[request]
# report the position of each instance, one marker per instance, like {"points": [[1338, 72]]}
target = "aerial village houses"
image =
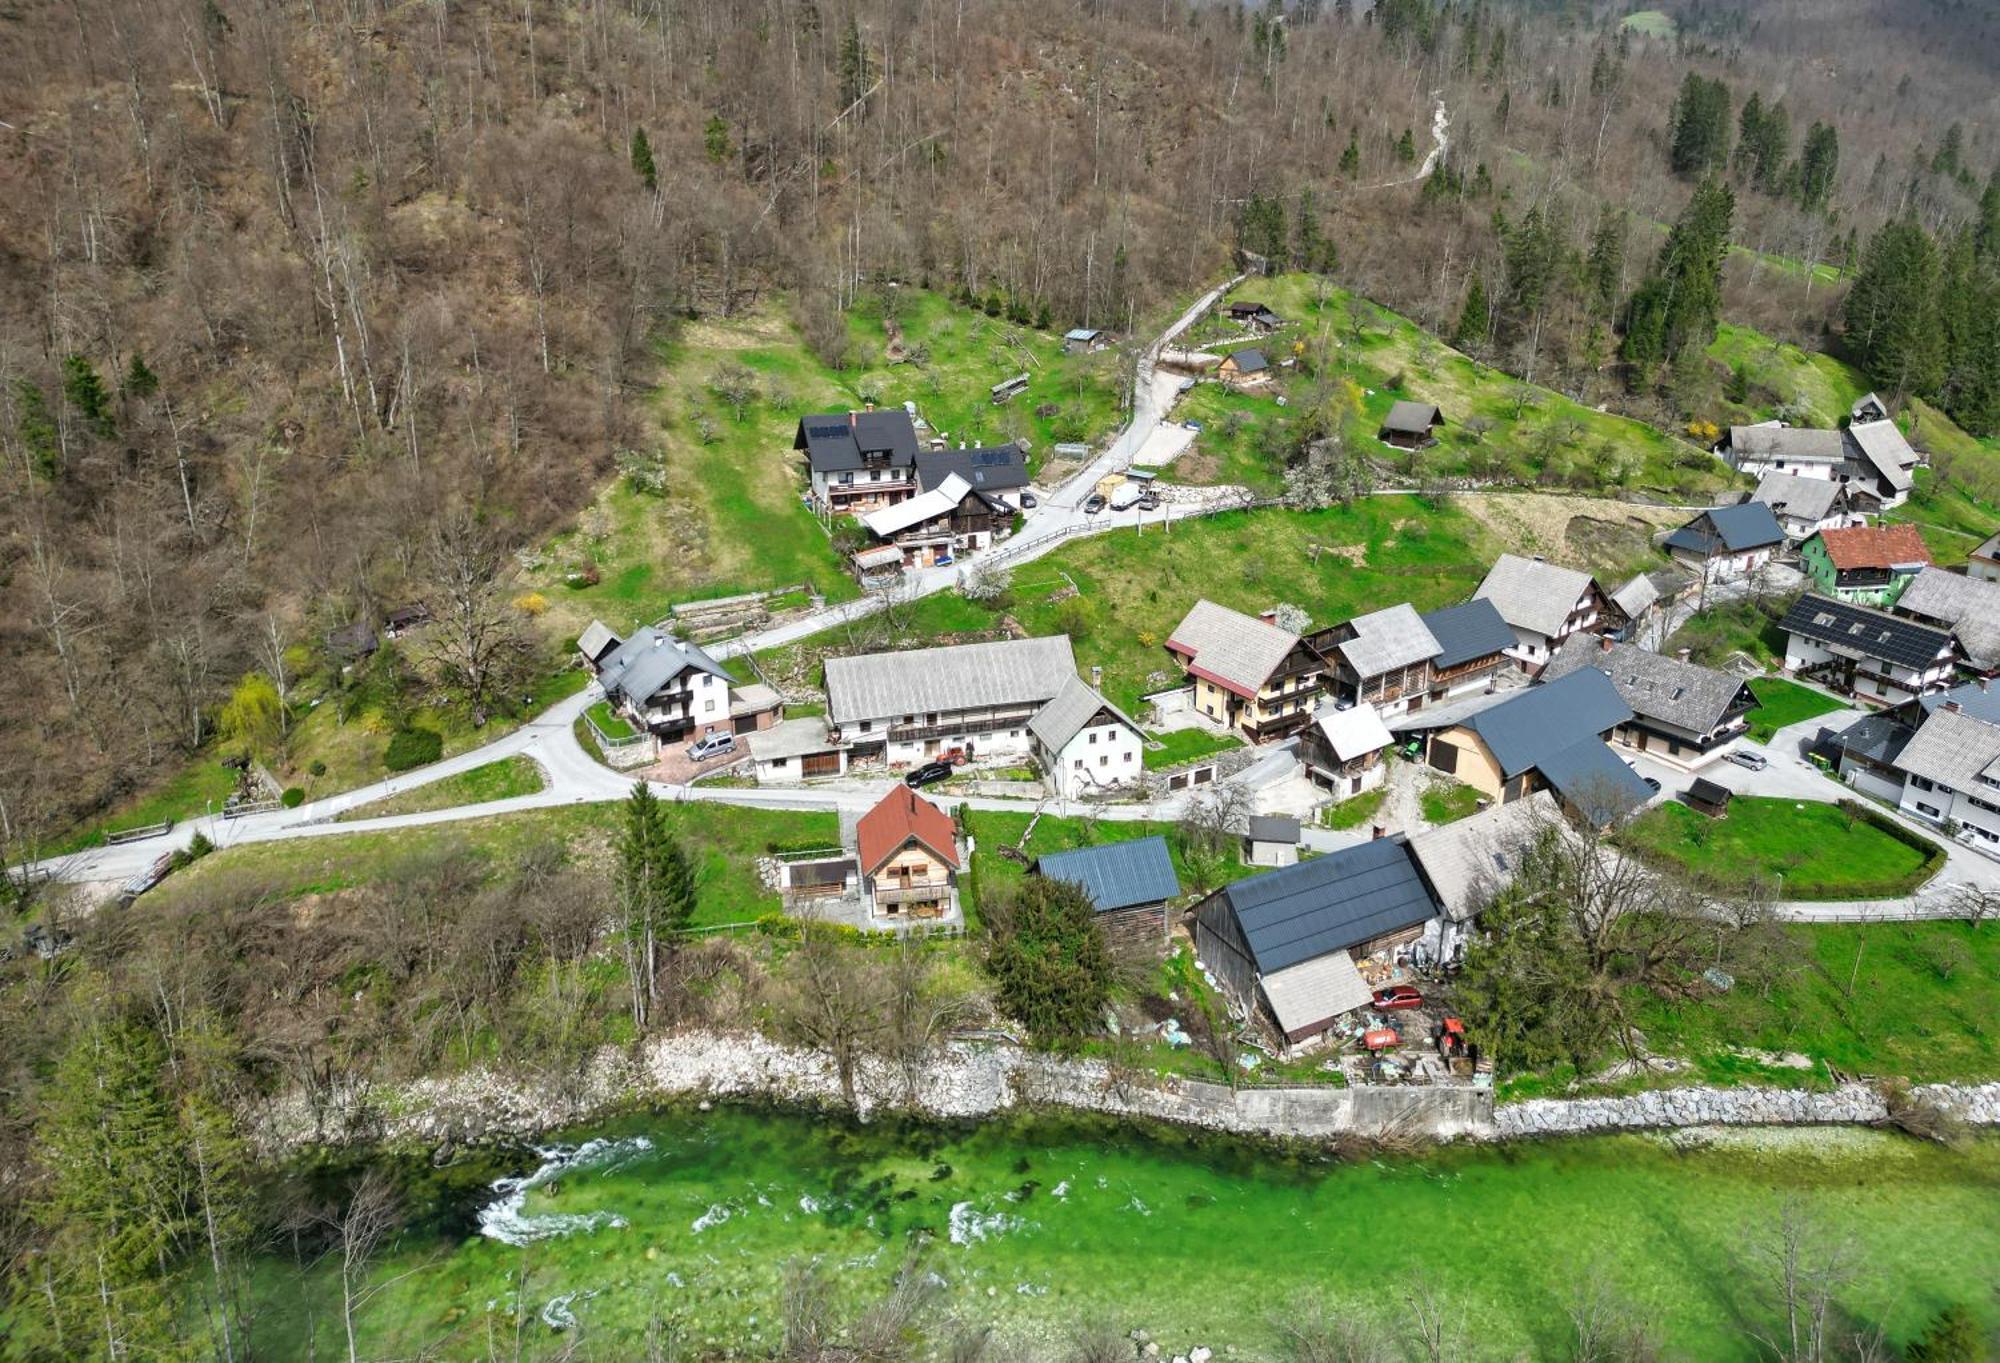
{"points": [[1869, 748], [1246, 673], [1550, 736], [1866, 653], [1637, 603], [1244, 368], [1130, 884], [858, 461], [1271, 840], [1085, 744], [1727, 542], [908, 853], [1255, 316], [1471, 860], [1285, 944], [675, 691], [1951, 770], [1543, 604], [1967, 606], [1868, 408], [1871, 459], [1803, 505], [1984, 562], [795, 750], [1411, 425], [1342, 750], [1865, 565], [908, 707], [1396, 659], [933, 527], [1682, 713]]}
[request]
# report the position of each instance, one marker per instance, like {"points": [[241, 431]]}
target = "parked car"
{"points": [[926, 774], [1749, 761], [1093, 504], [1150, 502], [711, 745], [1399, 996], [1029, 501], [1651, 784]]}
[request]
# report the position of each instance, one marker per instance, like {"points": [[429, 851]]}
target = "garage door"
{"points": [[820, 764]]}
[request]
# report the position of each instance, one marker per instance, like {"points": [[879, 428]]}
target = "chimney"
{"points": [[1952, 706], [1268, 616], [1096, 677], [1376, 832], [867, 404]]}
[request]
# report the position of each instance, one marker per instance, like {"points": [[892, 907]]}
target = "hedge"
{"points": [[413, 748]]}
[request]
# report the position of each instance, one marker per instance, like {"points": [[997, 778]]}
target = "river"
{"points": [[1035, 1224]]}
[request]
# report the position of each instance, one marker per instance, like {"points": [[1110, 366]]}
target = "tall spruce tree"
{"points": [[1892, 310], [1475, 319], [642, 160], [1698, 127], [1677, 306], [656, 892], [1819, 163]]}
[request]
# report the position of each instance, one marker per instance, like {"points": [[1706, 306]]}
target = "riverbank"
{"points": [[984, 1080]]}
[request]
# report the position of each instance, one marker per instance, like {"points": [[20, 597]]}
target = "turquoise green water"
{"points": [[1032, 1226]]}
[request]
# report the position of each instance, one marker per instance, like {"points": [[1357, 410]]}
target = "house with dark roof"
{"points": [[1543, 604], [1255, 315], [1078, 339], [1343, 749], [937, 525], [858, 461], [1085, 744], [1398, 660], [1867, 565], [1968, 606], [1547, 737], [352, 643], [674, 690], [908, 853], [1869, 654], [1803, 505], [1244, 368], [1130, 884], [1245, 672], [596, 641], [1682, 713], [1727, 542], [1867, 750], [1411, 425], [998, 472], [1285, 944], [1472, 644], [1271, 840], [1951, 774]]}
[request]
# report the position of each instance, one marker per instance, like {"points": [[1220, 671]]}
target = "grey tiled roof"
{"points": [[1686, 695], [1635, 596], [1531, 594], [651, 658], [1953, 749], [1232, 646], [1468, 861], [1316, 990], [1469, 630], [1882, 444], [1411, 418], [1809, 499], [1589, 776], [1969, 606], [1388, 639], [1056, 723], [920, 681], [1329, 903], [1249, 361], [1117, 875], [1788, 442], [1878, 737], [836, 441], [1975, 698], [1002, 468]]}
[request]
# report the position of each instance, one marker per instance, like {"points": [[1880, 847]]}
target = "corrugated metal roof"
{"points": [[1388, 639], [1531, 594], [1117, 875], [1532, 726], [941, 500], [1875, 633], [923, 681], [1467, 631], [1729, 529], [1329, 903]]}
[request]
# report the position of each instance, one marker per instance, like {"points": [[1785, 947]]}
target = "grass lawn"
{"points": [[1652, 23], [1783, 373], [1721, 632], [1184, 745], [1535, 434], [1131, 590], [609, 722], [1357, 811], [1919, 1000], [1781, 703], [1449, 801], [194, 790], [723, 841], [731, 519], [501, 780], [1242, 440], [1819, 850], [995, 830]]}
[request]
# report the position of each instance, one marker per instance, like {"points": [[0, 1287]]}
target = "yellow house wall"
{"points": [[1476, 766]]}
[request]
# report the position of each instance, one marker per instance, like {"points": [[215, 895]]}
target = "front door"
{"points": [[930, 747]]}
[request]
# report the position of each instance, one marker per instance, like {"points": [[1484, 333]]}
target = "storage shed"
{"points": [[1704, 796]]}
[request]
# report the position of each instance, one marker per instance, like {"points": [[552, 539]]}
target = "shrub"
{"points": [[413, 748], [292, 798], [318, 768], [531, 604]]}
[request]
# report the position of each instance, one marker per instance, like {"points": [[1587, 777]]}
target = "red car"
{"points": [[1398, 996]]}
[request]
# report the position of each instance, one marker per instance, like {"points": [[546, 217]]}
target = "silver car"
{"points": [[1749, 761], [712, 745]]}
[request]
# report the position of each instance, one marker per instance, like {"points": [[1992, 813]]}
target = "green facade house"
{"points": [[1864, 565]]}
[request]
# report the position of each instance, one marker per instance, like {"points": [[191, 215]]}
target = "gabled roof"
{"points": [[651, 658], [1329, 903], [835, 442], [1883, 446], [1248, 361], [1975, 698], [1068, 711], [1532, 594], [1704, 791], [1636, 596], [898, 817], [1808, 499], [1315, 991], [1989, 548], [1274, 828], [1231, 649], [1469, 861], [1412, 418], [1729, 530], [1528, 728], [1768, 440], [1470, 630], [1866, 404], [1875, 633], [1388, 639], [1954, 749], [1082, 334], [596, 640], [1683, 694], [1001, 468], [1879, 737], [920, 681], [1874, 546], [1969, 605], [1117, 875], [1591, 778], [941, 500], [1353, 732]]}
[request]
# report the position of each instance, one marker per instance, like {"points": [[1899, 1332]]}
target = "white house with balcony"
{"points": [[673, 690], [1951, 773], [1543, 603], [916, 705]]}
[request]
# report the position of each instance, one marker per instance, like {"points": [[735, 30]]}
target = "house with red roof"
{"points": [[1865, 565], [909, 857]]}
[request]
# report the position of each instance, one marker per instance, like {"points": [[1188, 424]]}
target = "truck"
{"points": [[1126, 496]]}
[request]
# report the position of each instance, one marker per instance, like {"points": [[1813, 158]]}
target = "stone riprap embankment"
{"points": [[971, 1080]]}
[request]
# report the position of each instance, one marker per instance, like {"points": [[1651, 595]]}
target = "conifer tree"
{"points": [[1474, 319], [642, 159]]}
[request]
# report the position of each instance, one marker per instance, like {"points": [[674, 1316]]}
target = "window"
{"points": [[1129, 754], [846, 480], [1077, 765], [1930, 811], [1093, 735], [866, 725]]}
